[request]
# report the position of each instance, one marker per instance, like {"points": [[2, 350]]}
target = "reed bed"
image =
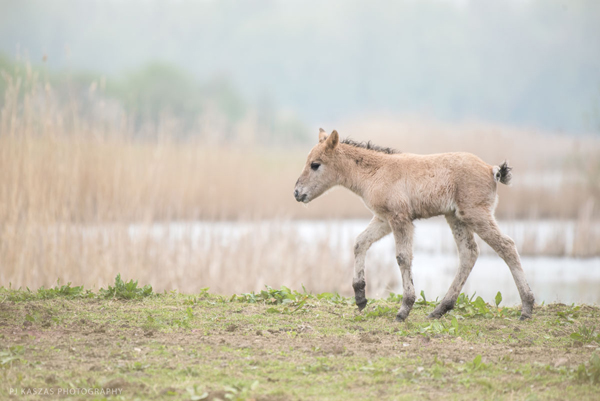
{"points": [[65, 171], [93, 256], [84, 177]]}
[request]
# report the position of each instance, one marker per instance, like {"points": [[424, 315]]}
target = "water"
{"points": [[552, 279]]}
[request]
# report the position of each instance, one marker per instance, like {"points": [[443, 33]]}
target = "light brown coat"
{"points": [[401, 187]]}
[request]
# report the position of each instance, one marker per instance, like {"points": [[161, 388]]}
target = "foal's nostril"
{"points": [[296, 194]]}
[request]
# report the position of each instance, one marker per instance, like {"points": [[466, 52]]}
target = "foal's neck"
{"points": [[358, 167]]}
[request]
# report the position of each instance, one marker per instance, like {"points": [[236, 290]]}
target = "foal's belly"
{"points": [[412, 201]]}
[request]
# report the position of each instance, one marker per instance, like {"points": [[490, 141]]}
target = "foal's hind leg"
{"points": [[468, 253], [505, 247], [403, 234], [376, 230]]}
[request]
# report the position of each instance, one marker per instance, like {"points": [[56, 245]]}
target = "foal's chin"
{"points": [[306, 198]]}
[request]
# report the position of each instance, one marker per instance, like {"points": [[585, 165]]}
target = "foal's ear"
{"points": [[322, 135], [332, 140]]}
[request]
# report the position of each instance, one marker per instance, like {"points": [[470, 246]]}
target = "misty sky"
{"points": [[534, 63]]}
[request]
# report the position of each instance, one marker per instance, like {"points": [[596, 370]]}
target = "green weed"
{"points": [[335, 298], [270, 296], [476, 364], [567, 316], [586, 334], [155, 323], [381, 311], [11, 356], [184, 322], [498, 299], [194, 299], [423, 301], [64, 291], [435, 327], [293, 301], [590, 373], [126, 290], [396, 298], [466, 307], [439, 327], [469, 308]]}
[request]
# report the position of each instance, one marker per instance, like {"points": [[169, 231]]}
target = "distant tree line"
{"points": [[533, 62]]}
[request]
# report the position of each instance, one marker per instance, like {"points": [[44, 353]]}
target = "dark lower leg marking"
{"points": [[441, 309], [359, 294], [407, 304], [527, 300]]}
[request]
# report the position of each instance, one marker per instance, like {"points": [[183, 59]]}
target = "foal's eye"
{"points": [[315, 166]]}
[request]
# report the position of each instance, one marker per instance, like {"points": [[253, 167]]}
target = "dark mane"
{"points": [[370, 146]]}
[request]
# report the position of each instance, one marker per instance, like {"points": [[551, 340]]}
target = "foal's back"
{"points": [[430, 185]]}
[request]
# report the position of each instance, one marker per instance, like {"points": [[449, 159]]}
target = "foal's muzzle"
{"points": [[299, 198]]}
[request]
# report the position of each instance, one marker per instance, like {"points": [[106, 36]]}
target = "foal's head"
{"points": [[319, 173]]}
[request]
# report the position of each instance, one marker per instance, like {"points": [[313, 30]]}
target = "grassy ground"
{"points": [[285, 345]]}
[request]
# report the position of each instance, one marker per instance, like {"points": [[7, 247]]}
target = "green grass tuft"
{"points": [[126, 290]]}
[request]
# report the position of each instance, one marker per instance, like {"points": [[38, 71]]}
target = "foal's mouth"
{"points": [[300, 198]]}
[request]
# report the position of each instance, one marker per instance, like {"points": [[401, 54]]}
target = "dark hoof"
{"points": [[361, 305], [441, 309], [524, 317], [400, 317]]}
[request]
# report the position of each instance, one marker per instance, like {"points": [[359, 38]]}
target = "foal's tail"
{"points": [[502, 173]]}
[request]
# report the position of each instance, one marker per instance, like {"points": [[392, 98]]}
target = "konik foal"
{"points": [[399, 188]]}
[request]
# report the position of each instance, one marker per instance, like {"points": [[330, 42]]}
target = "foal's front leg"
{"points": [[403, 234], [376, 230]]}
